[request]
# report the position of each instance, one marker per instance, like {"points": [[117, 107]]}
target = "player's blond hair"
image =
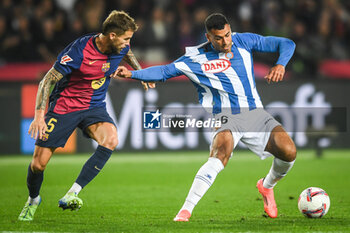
{"points": [[118, 22]]}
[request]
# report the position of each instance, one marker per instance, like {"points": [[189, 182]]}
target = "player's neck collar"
{"points": [[95, 44]]}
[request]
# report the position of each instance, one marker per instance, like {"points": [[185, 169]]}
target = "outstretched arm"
{"points": [[132, 61], [38, 125], [150, 74]]}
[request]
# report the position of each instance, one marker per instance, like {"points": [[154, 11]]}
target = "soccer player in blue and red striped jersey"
{"points": [[222, 72], [81, 76]]}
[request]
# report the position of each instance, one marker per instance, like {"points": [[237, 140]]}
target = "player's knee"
{"points": [[222, 147], [290, 153], [36, 166], [111, 142]]}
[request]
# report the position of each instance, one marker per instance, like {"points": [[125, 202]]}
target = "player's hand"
{"points": [[275, 74], [37, 128], [121, 72], [148, 85]]}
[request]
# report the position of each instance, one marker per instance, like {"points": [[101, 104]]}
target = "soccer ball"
{"points": [[314, 202]]}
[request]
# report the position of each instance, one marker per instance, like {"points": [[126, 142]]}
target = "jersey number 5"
{"points": [[51, 125]]}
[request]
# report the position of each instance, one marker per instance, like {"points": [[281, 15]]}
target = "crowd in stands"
{"points": [[36, 30]]}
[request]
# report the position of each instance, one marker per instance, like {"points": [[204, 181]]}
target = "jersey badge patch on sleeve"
{"points": [[65, 59]]}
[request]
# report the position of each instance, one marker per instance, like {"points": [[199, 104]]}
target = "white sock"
{"points": [[278, 170], [76, 188], [34, 201], [204, 179]]}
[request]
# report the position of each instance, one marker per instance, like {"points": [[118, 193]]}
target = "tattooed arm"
{"points": [[132, 61], [38, 125]]}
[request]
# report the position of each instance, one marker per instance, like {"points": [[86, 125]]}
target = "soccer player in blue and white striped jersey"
{"points": [[222, 71]]}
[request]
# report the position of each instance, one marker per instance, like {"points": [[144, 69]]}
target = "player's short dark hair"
{"points": [[215, 21], [118, 22]]}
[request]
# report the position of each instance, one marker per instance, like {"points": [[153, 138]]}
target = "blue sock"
{"points": [[34, 181], [93, 166]]}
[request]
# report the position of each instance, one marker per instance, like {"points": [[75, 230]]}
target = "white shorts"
{"points": [[253, 128]]}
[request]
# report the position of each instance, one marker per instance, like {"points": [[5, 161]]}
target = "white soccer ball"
{"points": [[314, 202]]}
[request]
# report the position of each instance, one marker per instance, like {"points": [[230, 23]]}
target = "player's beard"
{"points": [[222, 49], [226, 48], [112, 49]]}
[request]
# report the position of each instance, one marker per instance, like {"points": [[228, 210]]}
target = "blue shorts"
{"points": [[61, 126]]}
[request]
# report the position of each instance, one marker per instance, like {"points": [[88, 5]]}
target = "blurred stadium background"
{"points": [[33, 32]]}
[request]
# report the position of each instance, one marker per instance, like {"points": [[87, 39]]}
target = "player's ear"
{"points": [[112, 35], [207, 36]]}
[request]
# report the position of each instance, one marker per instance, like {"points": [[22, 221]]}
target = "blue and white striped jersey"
{"points": [[223, 80]]}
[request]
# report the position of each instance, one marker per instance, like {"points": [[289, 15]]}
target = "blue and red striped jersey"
{"points": [[86, 72]]}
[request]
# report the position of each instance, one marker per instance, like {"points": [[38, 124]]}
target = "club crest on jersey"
{"points": [[96, 84], [65, 59], [229, 55], [105, 67], [216, 66]]}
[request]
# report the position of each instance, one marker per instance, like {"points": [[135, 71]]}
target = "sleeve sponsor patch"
{"points": [[65, 59]]}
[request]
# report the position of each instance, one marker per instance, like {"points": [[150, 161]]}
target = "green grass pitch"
{"points": [[142, 192]]}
